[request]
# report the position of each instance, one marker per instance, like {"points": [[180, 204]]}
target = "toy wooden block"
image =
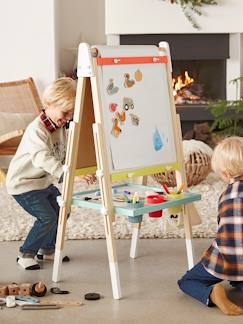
{"points": [[13, 289], [3, 290], [38, 289], [25, 289]]}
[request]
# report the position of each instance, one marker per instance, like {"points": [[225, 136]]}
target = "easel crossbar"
{"points": [[123, 175], [132, 60]]}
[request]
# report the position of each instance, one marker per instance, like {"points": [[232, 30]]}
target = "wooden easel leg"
{"points": [[113, 264], [107, 209], [56, 274], [68, 180], [135, 239], [65, 203], [181, 177], [57, 265], [188, 237], [137, 226], [143, 180], [115, 280], [2, 177]]}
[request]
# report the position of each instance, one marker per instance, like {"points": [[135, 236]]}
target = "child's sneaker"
{"points": [[28, 263], [42, 256]]}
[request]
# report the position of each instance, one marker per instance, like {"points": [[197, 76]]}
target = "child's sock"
{"points": [[28, 263], [219, 298], [43, 255]]}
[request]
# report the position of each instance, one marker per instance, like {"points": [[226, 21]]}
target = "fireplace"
{"points": [[199, 70]]}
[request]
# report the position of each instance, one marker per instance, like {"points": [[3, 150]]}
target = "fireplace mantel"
{"points": [[128, 17], [157, 16]]}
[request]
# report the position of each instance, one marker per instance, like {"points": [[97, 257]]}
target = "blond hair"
{"points": [[61, 92], [228, 157]]}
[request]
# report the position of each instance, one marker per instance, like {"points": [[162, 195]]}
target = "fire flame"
{"points": [[180, 81]]}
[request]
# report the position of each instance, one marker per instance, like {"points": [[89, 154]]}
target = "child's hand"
{"points": [[88, 178]]}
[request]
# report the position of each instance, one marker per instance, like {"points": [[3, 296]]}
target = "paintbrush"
{"points": [[41, 306], [181, 188]]}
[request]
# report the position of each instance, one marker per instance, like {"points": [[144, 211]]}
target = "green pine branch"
{"points": [[190, 7]]}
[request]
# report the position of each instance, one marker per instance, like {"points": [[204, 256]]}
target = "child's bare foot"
{"points": [[219, 298]]}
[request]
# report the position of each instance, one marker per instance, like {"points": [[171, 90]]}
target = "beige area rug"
{"points": [[88, 223]]}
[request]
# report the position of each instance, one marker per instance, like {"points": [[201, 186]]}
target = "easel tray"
{"points": [[91, 199]]}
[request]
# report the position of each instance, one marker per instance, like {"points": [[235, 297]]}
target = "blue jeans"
{"points": [[42, 204], [198, 283]]}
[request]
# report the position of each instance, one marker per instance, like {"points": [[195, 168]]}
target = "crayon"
{"points": [[181, 188], [135, 198], [126, 199], [165, 188]]}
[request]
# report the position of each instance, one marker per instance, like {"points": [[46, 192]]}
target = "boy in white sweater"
{"points": [[39, 157]]}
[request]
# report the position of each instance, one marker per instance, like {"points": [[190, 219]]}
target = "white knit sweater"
{"points": [[40, 156]]}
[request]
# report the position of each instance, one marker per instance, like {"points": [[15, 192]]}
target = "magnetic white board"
{"points": [[136, 109]]}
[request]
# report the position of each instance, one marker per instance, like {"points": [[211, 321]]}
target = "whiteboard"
{"points": [[137, 111]]}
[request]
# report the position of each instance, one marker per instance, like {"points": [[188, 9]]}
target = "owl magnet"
{"points": [[128, 103], [111, 88]]}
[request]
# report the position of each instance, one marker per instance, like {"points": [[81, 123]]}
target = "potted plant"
{"points": [[228, 114]]}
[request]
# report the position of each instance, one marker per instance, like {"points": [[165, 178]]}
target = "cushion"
{"points": [[13, 121]]}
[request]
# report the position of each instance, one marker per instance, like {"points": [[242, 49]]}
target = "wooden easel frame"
{"points": [[103, 174], [104, 179]]}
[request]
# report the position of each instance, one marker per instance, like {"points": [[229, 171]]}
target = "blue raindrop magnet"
{"points": [[157, 140]]}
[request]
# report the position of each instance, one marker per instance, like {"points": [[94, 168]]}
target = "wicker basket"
{"points": [[197, 169]]}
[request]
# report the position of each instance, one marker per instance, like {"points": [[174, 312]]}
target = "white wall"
{"points": [[35, 36], [157, 16], [28, 47], [80, 20]]}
